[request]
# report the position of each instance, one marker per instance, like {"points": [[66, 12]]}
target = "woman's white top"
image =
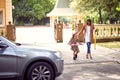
{"points": [[87, 34]]}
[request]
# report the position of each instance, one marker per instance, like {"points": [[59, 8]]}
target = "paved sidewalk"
{"points": [[44, 36], [100, 54]]}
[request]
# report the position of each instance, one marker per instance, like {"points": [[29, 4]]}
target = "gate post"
{"points": [[59, 32], [10, 32], [79, 28]]}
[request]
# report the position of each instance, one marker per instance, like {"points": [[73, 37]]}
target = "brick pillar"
{"points": [[8, 11]]}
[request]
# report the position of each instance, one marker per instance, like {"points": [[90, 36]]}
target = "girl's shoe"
{"points": [[74, 58]]}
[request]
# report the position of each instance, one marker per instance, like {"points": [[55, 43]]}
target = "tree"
{"points": [[22, 9], [32, 9], [118, 7], [41, 7], [99, 6], [110, 7]]}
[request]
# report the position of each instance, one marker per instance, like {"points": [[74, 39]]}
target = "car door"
{"points": [[8, 61]]}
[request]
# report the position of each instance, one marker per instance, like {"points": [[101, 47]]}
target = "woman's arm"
{"points": [[93, 28], [78, 33]]}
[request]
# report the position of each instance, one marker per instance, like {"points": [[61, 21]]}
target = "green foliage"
{"points": [[104, 8], [118, 7], [41, 7], [32, 9], [114, 44], [21, 23], [21, 9], [65, 19]]}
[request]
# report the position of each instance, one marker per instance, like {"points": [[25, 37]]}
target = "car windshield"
{"points": [[7, 41]]}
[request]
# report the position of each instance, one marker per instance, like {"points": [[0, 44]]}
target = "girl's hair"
{"points": [[88, 20]]}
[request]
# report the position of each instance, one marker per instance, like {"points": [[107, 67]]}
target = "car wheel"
{"points": [[40, 71]]}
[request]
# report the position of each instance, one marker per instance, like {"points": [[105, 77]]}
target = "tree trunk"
{"points": [[100, 16], [110, 16]]}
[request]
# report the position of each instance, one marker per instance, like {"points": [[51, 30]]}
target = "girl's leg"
{"points": [[76, 53], [74, 58]]}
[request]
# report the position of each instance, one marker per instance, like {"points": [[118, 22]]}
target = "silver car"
{"points": [[23, 63]]}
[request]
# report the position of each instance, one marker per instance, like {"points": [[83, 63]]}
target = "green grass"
{"points": [[110, 44]]}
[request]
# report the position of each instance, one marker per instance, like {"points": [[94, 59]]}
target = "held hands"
{"points": [[80, 43], [77, 35]]}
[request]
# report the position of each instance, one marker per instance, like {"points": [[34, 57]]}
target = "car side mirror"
{"points": [[18, 44], [3, 45]]}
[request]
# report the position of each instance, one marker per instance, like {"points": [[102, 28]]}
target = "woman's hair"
{"points": [[89, 20]]}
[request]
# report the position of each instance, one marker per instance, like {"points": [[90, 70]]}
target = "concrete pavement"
{"points": [[92, 71], [100, 54]]}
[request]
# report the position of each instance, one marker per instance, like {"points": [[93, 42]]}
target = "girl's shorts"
{"points": [[75, 48]]}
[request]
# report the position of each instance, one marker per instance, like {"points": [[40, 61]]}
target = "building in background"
{"points": [[5, 15], [62, 8]]}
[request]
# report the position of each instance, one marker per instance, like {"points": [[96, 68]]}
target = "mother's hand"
{"points": [[76, 35]]}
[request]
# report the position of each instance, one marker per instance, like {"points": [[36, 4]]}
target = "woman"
{"points": [[88, 28]]}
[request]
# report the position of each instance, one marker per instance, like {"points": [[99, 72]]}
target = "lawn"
{"points": [[110, 44]]}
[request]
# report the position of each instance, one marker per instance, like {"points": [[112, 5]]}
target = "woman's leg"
{"points": [[88, 47], [89, 50]]}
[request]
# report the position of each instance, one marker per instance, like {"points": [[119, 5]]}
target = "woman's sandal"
{"points": [[91, 57], [87, 57]]}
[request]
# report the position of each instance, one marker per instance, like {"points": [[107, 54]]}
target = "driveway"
{"points": [[91, 71], [39, 34]]}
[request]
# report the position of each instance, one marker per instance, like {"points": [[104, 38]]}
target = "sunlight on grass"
{"points": [[109, 44]]}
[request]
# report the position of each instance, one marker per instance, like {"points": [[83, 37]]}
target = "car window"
{"points": [[9, 42], [5, 49], [3, 46]]}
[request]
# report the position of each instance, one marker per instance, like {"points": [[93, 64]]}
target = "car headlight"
{"points": [[58, 54]]}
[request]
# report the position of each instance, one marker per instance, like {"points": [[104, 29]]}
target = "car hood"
{"points": [[34, 49]]}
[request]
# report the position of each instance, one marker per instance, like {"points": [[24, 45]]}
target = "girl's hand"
{"points": [[78, 34], [80, 43]]}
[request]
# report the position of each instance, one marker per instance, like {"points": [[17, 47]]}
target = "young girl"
{"points": [[74, 46]]}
